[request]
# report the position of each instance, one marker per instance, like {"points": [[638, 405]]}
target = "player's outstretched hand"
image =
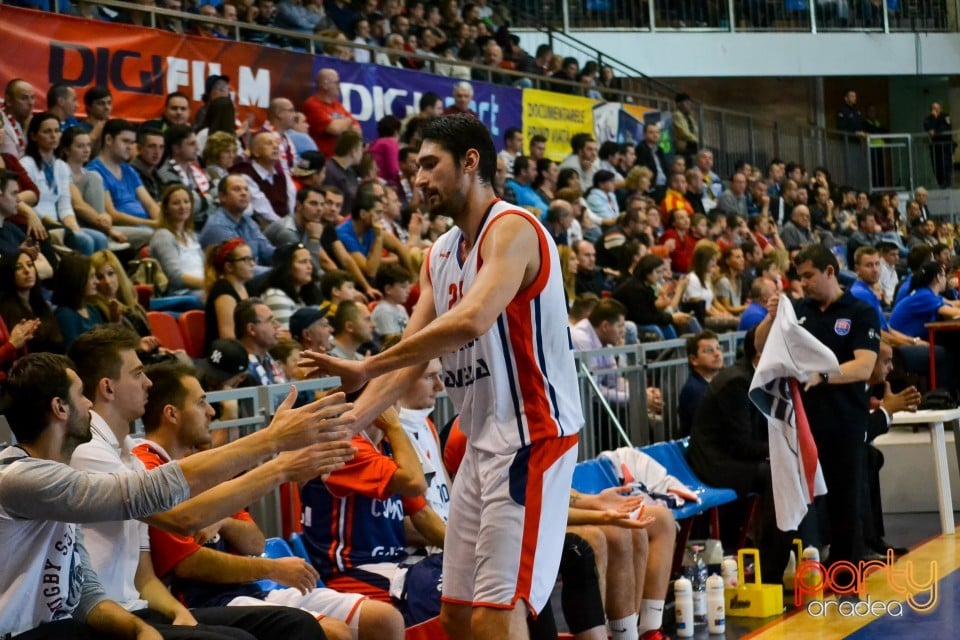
{"points": [[316, 460], [322, 420], [352, 373]]}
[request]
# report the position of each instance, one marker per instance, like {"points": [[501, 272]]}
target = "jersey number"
{"points": [[456, 292]]}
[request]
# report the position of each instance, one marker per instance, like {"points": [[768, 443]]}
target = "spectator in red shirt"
{"points": [[679, 241], [326, 115]]}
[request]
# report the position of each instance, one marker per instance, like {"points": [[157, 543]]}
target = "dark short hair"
{"points": [[244, 313], [334, 280], [607, 310], [95, 93], [457, 134], [538, 138], [520, 164], [391, 274], [608, 149], [6, 177], [367, 197], [918, 256], [176, 134], [148, 130], [175, 94], [116, 126], [819, 256], [97, 354], [31, 385], [579, 140], [388, 126], [225, 182], [347, 142], [347, 311], [56, 92], [428, 100], [693, 342], [305, 192], [168, 388]]}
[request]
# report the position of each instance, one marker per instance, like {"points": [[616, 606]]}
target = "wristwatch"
{"points": [[825, 378]]}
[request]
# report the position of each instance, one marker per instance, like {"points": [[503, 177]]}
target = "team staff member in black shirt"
{"points": [[837, 406]]}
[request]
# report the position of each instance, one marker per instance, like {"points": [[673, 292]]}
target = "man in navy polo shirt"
{"points": [[837, 406]]}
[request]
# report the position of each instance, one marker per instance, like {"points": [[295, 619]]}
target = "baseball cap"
{"points": [[227, 358], [309, 163], [302, 318]]}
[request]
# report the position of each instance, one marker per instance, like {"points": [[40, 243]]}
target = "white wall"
{"points": [[771, 54]]}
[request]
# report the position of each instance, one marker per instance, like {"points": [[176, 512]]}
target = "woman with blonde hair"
{"points": [[219, 154], [174, 245], [116, 295], [638, 180], [568, 269], [230, 266]]}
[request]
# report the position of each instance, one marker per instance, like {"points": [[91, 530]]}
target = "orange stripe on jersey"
{"points": [[426, 263], [531, 380], [533, 289], [543, 455]]}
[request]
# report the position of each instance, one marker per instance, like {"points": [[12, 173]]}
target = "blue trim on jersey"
{"points": [[543, 362], [505, 344]]}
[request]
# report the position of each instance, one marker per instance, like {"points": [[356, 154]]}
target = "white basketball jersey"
{"points": [[517, 383]]}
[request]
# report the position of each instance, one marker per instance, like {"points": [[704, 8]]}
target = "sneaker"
{"points": [[654, 634], [118, 246]]}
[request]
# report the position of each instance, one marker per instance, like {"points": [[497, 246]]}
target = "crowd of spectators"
{"points": [[440, 34]]}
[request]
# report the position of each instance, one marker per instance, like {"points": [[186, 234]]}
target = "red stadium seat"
{"points": [[193, 328], [164, 328], [144, 294]]}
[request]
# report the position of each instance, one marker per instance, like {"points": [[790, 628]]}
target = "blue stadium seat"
{"points": [[593, 476], [673, 456], [299, 550], [296, 543], [275, 548]]}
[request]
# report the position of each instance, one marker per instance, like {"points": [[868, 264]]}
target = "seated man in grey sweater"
{"points": [[47, 589]]}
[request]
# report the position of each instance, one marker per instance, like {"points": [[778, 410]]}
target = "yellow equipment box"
{"points": [[754, 600]]}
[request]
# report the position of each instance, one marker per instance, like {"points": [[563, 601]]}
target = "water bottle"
{"points": [[716, 614], [699, 584], [728, 571], [713, 555], [683, 607], [790, 571]]}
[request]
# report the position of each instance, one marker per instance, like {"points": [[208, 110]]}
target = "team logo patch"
{"points": [[842, 326]]}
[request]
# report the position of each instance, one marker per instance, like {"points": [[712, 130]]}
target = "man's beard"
{"points": [[450, 205], [78, 432]]}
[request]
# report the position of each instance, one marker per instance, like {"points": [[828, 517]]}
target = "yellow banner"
{"points": [[556, 117]]}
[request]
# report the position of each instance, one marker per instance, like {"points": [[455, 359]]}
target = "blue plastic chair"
{"points": [[673, 456], [299, 550], [274, 548], [593, 476]]}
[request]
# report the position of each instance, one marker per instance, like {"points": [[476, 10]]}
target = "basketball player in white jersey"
{"points": [[492, 309]]}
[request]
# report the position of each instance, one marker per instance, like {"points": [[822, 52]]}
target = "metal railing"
{"points": [[904, 161], [810, 16], [614, 384]]}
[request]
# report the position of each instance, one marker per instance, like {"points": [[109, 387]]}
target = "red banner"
{"points": [[141, 66]]}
